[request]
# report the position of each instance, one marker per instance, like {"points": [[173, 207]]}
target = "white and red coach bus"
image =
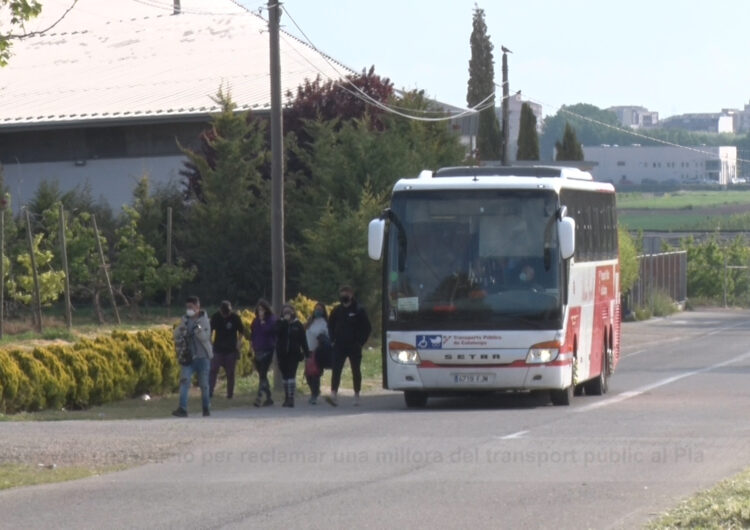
{"points": [[495, 279]]}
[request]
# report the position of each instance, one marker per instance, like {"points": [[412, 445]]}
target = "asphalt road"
{"points": [[676, 420]]}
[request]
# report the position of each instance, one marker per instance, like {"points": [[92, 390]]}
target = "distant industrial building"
{"points": [[663, 165], [636, 117]]}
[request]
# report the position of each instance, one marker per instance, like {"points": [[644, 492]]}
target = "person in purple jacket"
{"points": [[263, 339]]}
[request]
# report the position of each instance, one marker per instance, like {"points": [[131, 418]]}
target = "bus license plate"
{"points": [[473, 379]]}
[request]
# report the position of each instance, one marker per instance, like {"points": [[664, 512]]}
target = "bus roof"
{"points": [[506, 177]]}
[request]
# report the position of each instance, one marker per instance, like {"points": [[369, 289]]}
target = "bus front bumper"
{"points": [[517, 376]]}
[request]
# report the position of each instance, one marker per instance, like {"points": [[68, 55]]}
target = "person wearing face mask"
{"points": [[228, 330], [263, 339], [291, 348], [349, 329], [318, 341], [194, 331]]}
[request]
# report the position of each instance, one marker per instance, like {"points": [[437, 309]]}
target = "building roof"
{"points": [[136, 60]]}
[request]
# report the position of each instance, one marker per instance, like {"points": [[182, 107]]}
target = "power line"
{"points": [[41, 32], [369, 100], [485, 103], [561, 108]]}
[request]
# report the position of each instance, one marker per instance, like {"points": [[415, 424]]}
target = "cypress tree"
{"points": [[570, 148], [481, 84], [528, 140]]}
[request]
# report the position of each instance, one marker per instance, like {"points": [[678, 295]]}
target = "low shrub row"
{"points": [[107, 368], [88, 372]]}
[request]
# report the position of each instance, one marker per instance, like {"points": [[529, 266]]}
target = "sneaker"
{"points": [[179, 412], [258, 401], [268, 402], [332, 400], [206, 412], [356, 400], [313, 400]]}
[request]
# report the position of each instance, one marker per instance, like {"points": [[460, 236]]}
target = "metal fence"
{"points": [[665, 272]]}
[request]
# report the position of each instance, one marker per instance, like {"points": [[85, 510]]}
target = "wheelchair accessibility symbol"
{"points": [[429, 342]]}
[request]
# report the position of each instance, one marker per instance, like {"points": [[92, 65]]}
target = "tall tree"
{"points": [[482, 84], [227, 232], [528, 140], [570, 148], [18, 13]]}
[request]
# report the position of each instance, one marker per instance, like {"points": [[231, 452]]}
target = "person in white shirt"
{"points": [[319, 343]]}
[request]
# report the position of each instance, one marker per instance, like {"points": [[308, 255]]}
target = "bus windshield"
{"points": [[474, 260]]}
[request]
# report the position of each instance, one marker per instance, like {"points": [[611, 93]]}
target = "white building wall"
{"points": [[110, 179], [625, 165]]}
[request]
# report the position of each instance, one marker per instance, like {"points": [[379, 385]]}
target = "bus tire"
{"points": [[415, 399], [600, 385], [562, 397]]}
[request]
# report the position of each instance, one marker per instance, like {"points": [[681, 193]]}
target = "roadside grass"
{"points": [[17, 475], [725, 506], [682, 199], [244, 394]]}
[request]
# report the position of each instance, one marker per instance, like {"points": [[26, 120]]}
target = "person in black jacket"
{"points": [[228, 331], [291, 348], [349, 328]]}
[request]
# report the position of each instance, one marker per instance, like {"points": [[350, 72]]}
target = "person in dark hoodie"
{"points": [[263, 339], [349, 328], [228, 332], [291, 348]]}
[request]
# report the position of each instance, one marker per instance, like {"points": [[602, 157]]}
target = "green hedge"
{"points": [[89, 372], [107, 368]]}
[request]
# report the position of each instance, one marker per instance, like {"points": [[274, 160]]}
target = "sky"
{"points": [[670, 56]]}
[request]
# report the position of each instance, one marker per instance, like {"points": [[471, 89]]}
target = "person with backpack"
{"points": [[320, 348], [349, 328], [193, 343], [291, 348], [263, 340]]}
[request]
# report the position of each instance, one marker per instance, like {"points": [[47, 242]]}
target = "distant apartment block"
{"points": [[638, 165], [635, 117]]}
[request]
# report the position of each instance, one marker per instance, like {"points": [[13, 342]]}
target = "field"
{"points": [[685, 210]]}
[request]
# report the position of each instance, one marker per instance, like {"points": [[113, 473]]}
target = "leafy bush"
{"points": [[661, 304]]}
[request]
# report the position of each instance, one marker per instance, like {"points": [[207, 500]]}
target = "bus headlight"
{"points": [[543, 352], [403, 353]]}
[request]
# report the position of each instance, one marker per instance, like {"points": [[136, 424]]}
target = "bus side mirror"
{"points": [[566, 233], [375, 235]]}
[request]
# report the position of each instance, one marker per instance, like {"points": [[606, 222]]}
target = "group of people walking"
{"points": [[323, 342]]}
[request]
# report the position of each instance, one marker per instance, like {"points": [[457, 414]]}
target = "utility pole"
{"points": [[506, 94], [278, 267]]}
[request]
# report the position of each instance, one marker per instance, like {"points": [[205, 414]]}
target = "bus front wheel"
{"points": [[415, 400], [562, 397]]}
